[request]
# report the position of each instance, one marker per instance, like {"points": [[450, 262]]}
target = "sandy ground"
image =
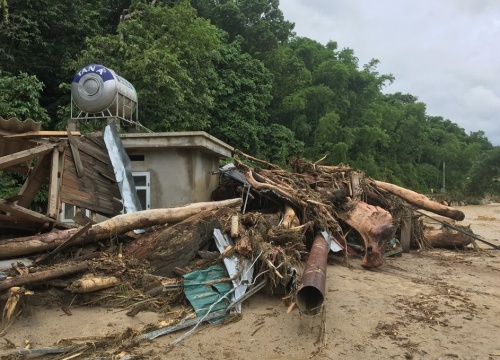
{"points": [[436, 304]]}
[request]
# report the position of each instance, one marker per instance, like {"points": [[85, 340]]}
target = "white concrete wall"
{"points": [[177, 176]]}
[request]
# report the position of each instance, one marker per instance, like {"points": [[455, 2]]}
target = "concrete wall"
{"points": [[179, 163], [178, 176]]}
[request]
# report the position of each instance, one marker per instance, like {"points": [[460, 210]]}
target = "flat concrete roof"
{"points": [[184, 139]]}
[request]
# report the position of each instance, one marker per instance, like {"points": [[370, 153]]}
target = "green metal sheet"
{"points": [[202, 292]]}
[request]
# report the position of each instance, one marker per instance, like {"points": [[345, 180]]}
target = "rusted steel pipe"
{"points": [[311, 293]]}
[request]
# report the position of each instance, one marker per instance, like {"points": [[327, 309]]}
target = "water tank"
{"points": [[96, 88]]}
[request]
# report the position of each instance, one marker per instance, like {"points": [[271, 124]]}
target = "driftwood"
{"points": [[420, 201], [375, 226], [445, 233], [446, 238], [107, 229], [42, 276], [92, 283], [177, 245]]}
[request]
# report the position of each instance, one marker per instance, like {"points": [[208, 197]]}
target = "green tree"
{"points": [[280, 144], [484, 177], [288, 74], [39, 37], [303, 111], [242, 91], [20, 97], [259, 22], [168, 54]]}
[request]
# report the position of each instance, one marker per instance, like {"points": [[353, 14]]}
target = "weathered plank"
{"points": [[24, 213], [73, 143], [35, 180], [54, 185], [95, 191], [43, 134], [25, 155]]}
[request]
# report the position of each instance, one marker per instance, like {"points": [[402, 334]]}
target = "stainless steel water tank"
{"points": [[96, 88]]}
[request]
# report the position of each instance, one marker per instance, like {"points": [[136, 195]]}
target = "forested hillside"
{"points": [[237, 70]]}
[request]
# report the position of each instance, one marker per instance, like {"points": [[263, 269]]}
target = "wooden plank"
{"points": [[35, 180], [42, 134], [91, 182], [19, 211], [94, 150], [12, 218], [73, 143], [53, 199], [81, 219], [92, 166], [25, 155], [96, 190]]}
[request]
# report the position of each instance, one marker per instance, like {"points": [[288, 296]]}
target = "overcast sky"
{"points": [[445, 52]]}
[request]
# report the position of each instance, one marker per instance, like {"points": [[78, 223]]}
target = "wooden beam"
{"points": [[34, 278], [35, 180], [54, 186], [73, 143], [25, 155], [43, 134], [19, 211]]}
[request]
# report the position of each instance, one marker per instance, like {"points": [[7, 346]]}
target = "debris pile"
{"points": [[266, 228]]}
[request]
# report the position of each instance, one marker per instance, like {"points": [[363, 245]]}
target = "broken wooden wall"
{"points": [[76, 168], [88, 179]]}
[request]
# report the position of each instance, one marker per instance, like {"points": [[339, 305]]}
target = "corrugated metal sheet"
{"points": [[239, 269], [231, 171], [204, 292], [16, 126], [122, 169]]}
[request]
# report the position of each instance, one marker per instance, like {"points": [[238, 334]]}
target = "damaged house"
{"points": [[269, 227], [168, 169]]}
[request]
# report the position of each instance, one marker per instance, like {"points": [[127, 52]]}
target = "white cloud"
{"points": [[444, 52]]}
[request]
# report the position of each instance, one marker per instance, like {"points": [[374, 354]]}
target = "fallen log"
{"points": [[177, 245], [92, 283], [375, 226], [279, 191], [420, 201], [107, 229], [42, 276], [446, 238]]}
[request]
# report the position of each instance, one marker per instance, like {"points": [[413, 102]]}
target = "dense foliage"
{"points": [[236, 70]]}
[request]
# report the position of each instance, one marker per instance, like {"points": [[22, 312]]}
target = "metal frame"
{"points": [[83, 117]]}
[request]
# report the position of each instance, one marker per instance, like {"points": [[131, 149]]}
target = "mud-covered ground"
{"points": [[437, 304]]}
